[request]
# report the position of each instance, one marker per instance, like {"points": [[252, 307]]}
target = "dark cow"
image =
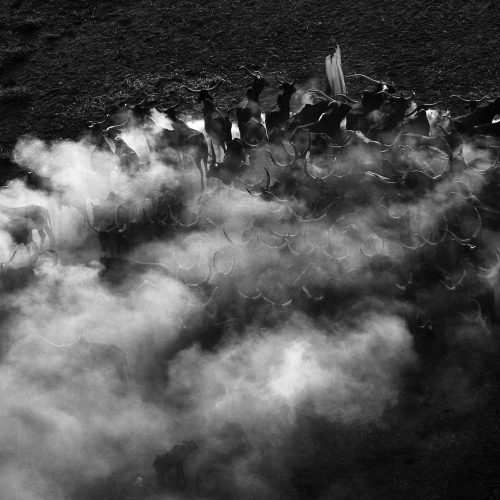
{"points": [[102, 219], [20, 231], [310, 113], [185, 140], [249, 113], [128, 159], [417, 123], [117, 270], [491, 129], [217, 125], [329, 122], [482, 115], [15, 277], [173, 460], [232, 164], [37, 217], [140, 111], [275, 120]]}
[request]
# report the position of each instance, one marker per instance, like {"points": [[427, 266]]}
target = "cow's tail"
{"points": [[335, 74], [50, 231]]}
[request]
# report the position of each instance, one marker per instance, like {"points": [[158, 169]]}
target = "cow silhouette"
{"points": [[173, 459]]}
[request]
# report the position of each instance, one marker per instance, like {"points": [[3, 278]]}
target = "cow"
{"points": [[13, 278], [310, 113], [482, 115], [249, 113], [329, 121], [489, 129], [217, 125], [128, 159], [102, 220], [185, 140], [275, 120], [232, 164], [173, 459], [38, 219], [20, 231], [140, 111]]}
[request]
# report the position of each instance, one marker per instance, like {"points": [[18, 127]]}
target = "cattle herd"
{"points": [[341, 205]]}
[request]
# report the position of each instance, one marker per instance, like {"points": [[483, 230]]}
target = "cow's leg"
{"points": [[198, 162], [41, 233], [181, 159], [180, 475], [47, 227], [160, 478]]}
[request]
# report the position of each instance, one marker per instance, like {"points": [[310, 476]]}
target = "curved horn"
{"points": [[281, 82], [410, 97], [479, 313], [284, 303], [191, 224], [116, 127], [216, 268], [54, 344], [321, 94], [268, 179], [365, 77], [434, 243], [243, 243], [209, 89], [361, 249], [383, 204], [469, 101], [285, 165], [118, 211], [190, 89], [491, 272], [308, 294], [390, 146], [164, 110], [257, 295], [250, 145], [348, 99], [145, 212], [208, 301], [309, 251], [278, 235], [466, 241], [454, 286], [255, 74], [427, 105], [322, 178], [203, 282], [334, 146]]}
